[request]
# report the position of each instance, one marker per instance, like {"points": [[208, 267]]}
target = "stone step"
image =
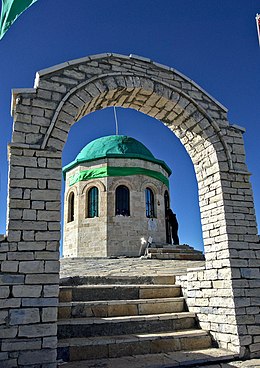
{"points": [[115, 280], [166, 245], [125, 325], [114, 308], [177, 256], [180, 359], [117, 292], [118, 346], [173, 250]]}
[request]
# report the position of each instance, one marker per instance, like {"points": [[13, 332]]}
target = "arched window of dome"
{"points": [[149, 203], [71, 207], [93, 202], [122, 201]]}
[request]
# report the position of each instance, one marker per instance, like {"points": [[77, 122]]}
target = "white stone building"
{"points": [[116, 196]]}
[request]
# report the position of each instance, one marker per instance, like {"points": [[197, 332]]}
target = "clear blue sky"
{"points": [[212, 42]]}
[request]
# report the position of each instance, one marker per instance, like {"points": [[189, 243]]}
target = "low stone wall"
{"points": [[226, 306], [29, 290]]}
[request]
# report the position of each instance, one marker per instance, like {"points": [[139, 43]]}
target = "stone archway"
{"points": [[221, 293]]}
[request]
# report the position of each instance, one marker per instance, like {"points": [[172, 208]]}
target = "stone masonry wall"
{"points": [[127, 234], [108, 234], [85, 237], [29, 256], [30, 260]]}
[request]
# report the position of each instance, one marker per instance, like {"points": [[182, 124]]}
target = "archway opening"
{"points": [[163, 144]]}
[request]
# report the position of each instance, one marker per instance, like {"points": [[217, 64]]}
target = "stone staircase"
{"points": [[119, 319], [178, 252]]}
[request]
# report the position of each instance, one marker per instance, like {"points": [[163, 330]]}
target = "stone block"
{"points": [[45, 195], [53, 226], [27, 225], [250, 273], [3, 256], [24, 183], [39, 247], [45, 104], [18, 137], [38, 205], [39, 302], [3, 356], [42, 278], [24, 161], [3, 317], [54, 184], [24, 316], [49, 314], [22, 344], [50, 235], [42, 173], [15, 193], [10, 363], [20, 256], [6, 279], [29, 215], [51, 291], [255, 348], [38, 330], [48, 215], [9, 266], [31, 245], [4, 292], [54, 163], [31, 267], [41, 121], [16, 172], [33, 138], [8, 332], [27, 236], [52, 86], [50, 342], [31, 291], [15, 214], [52, 266]]}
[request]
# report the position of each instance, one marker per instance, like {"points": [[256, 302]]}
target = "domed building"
{"points": [[116, 195]]}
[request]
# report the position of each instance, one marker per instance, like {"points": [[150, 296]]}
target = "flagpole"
{"points": [[257, 18], [116, 120]]}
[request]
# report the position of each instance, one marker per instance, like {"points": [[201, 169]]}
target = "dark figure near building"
{"points": [[171, 217]]}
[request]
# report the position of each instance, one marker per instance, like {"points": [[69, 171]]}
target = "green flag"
{"points": [[11, 9]]}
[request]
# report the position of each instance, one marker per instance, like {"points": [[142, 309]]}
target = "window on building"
{"points": [[71, 209], [149, 203], [122, 201], [93, 202]]}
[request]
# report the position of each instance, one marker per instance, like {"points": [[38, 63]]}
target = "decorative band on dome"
{"points": [[102, 172]]}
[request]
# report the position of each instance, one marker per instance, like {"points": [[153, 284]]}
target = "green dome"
{"points": [[115, 146]]}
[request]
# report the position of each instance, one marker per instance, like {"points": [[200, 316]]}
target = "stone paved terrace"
{"points": [[71, 267]]}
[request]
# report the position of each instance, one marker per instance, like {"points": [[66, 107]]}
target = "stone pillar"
{"points": [[30, 267], [225, 294]]}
